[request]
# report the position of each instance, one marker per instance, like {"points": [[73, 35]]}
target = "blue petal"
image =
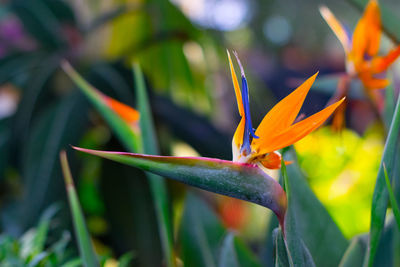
{"points": [[249, 133]]}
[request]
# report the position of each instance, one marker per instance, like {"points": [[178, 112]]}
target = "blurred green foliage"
{"points": [[37, 246]]}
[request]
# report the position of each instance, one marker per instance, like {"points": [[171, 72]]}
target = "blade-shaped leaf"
{"points": [[201, 233], [298, 254], [388, 247], [280, 256], [5, 136], [242, 181], [235, 253], [354, 254], [228, 256], [43, 228], [267, 251], [321, 235], [392, 198], [58, 126], [85, 246], [380, 196], [390, 102], [157, 183], [133, 226], [124, 132]]}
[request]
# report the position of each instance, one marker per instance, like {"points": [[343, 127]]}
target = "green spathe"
{"points": [[242, 181]]}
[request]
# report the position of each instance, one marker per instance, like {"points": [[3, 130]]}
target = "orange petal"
{"points": [[336, 27], [283, 114], [338, 121], [381, 64], [238, 136], [128, 114], [297, 131], [373, 24], [366, 37], [272, 160], [236, 86], [370, 82]]}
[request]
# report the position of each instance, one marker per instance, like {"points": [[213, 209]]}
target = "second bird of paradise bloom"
{"points": [[278, 128], [362, 47]]}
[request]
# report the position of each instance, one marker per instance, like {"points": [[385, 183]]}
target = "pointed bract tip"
{"points": [[240, 63], [323, 10], [229, 55], [65, 65], [69, 182], [340, 101], [314, 76]]}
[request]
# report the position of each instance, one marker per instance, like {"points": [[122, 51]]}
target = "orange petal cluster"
{"points": [[361, 48], [277, 130]]}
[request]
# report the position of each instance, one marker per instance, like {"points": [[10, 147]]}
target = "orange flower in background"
{"points": [[361, 48], [127, 113], [233, 212], [277, 130]]}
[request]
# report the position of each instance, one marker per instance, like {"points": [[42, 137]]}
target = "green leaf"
{"points": [[201, 233], [380, 196], [123, 131], [60, 125], [395, 206], [233, 252], [73, 263], [86, 250], [387, 250], [146, 119], [133, 225], [354, 254], [317, 229], [228, 256], [242, 181], [5, 136], [43, 228], [281, 257], [125, 260], [34, 90], [298, 253], [267, 251], [157, 183], [40, 22], [390, 102]]}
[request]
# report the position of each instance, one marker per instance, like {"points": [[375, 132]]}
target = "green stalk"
{"points": [[86, 250], [395, 206], [157, 183]]}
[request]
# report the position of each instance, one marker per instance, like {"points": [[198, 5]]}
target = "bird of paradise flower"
{"points": [[362, 59], [277, 130], [362, 47], [242, 178]]}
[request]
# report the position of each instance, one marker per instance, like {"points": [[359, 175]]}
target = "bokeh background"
{"points": [[181, 47]]}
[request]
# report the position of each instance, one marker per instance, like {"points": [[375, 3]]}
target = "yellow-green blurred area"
{"points": [[342, 168]]}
